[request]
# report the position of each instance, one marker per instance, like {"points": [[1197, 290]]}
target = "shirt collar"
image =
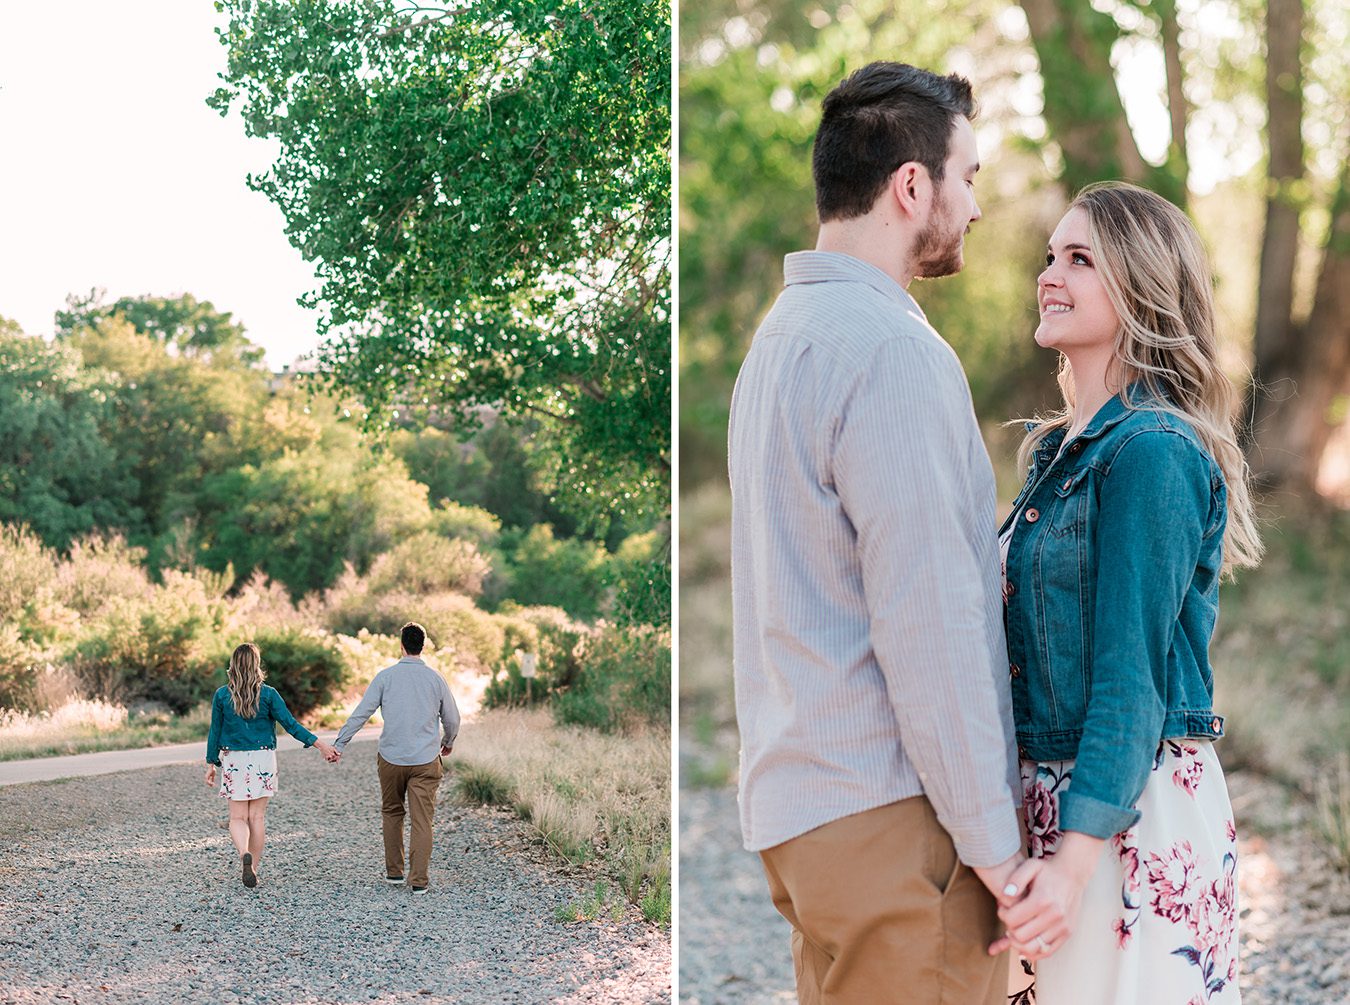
{"points": [[803, 267]]}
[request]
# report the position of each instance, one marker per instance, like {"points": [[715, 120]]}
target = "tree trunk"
{"points": [[1083, 108], [1178, 109], [1277, 340], [1324, 370]]}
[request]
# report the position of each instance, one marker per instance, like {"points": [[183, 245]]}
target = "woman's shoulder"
{"points": [[1161, 438]]}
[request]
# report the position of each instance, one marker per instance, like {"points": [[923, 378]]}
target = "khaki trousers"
{"points": [[417, 783], [883, 911]]}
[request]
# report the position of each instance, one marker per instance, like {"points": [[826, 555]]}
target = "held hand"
{"points": [[329, 752], [210, 774], [445, 750], [1041, 922], [997, 878]]}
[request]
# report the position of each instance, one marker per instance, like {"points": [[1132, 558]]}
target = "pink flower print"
{"points": [[1232, 831], [1042, 815], [1123, 933], [1187, 777], [1171, 883], [1214, 917]]}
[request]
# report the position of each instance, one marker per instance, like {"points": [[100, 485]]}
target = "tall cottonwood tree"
{"points": [[485, 190], [1083, 106]]}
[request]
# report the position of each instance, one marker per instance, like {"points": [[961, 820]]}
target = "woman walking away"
{"points": [[243, 744], [1136, 505]]}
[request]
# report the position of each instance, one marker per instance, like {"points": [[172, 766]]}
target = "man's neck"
{"points": [[872, 239]]}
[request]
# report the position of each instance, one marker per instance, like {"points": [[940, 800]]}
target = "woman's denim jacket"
{"points": [[230, 732], [1112, 593]]}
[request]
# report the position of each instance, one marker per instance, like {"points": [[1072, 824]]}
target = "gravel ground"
{"points": [[124, 888], [1295, 907]]}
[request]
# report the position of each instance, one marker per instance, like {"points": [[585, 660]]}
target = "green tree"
{"points": [[485, 193], [301, 516], [58, 472], [192, 327]]}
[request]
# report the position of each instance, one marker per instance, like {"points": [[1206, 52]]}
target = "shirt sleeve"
{"points": [[1153, 511], [905, 466], [370, 701], [282, 714]]}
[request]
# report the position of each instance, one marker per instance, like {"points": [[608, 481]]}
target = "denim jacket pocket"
{"points": [[1071, 502]]}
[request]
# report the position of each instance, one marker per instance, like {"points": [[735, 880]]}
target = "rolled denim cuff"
{"points": [[1082, 813]]}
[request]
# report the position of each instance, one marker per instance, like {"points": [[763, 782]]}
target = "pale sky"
{"points": [[115, 174]]}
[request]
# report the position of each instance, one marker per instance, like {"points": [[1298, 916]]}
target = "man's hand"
{"points": [[210, 774], [330, 753], [998, 879], [446, 748], [1045, 917]]}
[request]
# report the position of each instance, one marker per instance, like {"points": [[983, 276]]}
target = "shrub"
{"points": [[568, 573], [306, 668], [99, 571], [24, 566], [468, 523], [18, 670], [555, 640], [624, 681], [428, 563], [160, 649]]}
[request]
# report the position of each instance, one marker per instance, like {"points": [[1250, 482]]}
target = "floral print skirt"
{"points": [[248, 774], [1158, 924]]}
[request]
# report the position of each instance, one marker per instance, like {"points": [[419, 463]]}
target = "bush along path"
{"points": [[125, 888]]}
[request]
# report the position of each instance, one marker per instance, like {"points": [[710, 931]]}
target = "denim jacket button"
{"points": [[1068, 482], [1014, 670], [1009, 589], [1033, 515], [1075, 448], [1216, 725]]}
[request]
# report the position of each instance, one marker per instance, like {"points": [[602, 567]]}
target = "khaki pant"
{"points": [[883, 911], [418, 784]]}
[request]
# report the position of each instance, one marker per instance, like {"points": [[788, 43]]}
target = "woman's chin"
{"points": [[1044, 339]]}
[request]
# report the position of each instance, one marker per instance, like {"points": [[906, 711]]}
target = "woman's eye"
{"points": [[1081, 260]]}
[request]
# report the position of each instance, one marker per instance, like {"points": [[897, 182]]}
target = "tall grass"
{"points": [[590, 796], [83, 726]]}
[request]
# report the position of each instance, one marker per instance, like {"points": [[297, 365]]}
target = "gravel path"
{"points": [[1295, 907], [124, 888]]}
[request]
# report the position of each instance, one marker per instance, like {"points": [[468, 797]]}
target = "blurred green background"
{"points": [[1235, 109]]}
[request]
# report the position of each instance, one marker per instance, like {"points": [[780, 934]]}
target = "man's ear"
{"points": [[911, 188]]}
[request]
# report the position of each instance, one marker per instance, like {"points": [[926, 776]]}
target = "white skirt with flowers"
{"points": [[1158, 924], [248, 774]]}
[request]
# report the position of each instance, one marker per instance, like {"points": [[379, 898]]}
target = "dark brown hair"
{"points": [[880, 117]]}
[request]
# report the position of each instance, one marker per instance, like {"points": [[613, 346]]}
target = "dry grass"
{"points": [[588, 795], [82, 726]]}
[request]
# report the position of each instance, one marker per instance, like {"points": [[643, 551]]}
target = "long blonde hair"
{"points": [[1157, 277], [244, 679]]}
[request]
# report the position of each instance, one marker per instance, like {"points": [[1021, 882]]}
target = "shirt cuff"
{"points": [[1082, 813], [988, 841]]}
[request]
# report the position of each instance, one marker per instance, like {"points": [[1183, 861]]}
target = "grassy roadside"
{"points": [[589, 796], [88, 727]]}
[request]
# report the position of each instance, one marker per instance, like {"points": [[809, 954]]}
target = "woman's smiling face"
{"points": [[1076, 312]]}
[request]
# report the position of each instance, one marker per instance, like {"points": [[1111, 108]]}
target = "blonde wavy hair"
{"points": [[245, 679], [1157, 277]]}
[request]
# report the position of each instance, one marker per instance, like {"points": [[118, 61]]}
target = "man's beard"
{"points": [[937, 252]]}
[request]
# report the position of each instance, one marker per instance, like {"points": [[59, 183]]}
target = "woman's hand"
{"points": [[1043, 920], [210, 774], [329, 752]]}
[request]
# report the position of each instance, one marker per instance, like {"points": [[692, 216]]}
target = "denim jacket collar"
{"points": [[1113, 411]]}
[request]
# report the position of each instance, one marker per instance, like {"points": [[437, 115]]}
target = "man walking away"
{"points": [[413, 699]]}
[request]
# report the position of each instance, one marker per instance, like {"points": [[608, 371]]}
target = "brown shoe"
{"points": [[250, 878]]}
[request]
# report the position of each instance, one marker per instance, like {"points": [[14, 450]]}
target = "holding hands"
{"points": [[330, 753], [1039, 905]]}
